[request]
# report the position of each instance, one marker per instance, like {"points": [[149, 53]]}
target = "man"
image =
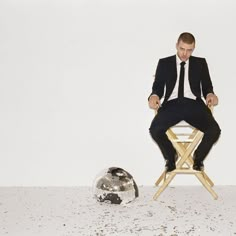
{"points": [[184, 79]]}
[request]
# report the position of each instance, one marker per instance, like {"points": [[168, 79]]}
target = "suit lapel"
{"points": [[190, 70], [171, 76], [174, 69], [192, 76]]}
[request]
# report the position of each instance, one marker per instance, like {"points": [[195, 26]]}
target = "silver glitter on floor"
{"points": [[59, 211]]}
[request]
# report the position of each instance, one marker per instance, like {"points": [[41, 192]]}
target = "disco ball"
{"points": [[116, 186]]}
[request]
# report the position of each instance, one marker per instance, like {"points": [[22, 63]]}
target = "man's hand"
{"points": [[154, 102], [211, 99]]}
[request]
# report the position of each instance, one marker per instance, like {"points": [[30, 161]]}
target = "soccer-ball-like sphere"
{"points": [[116, 186]]}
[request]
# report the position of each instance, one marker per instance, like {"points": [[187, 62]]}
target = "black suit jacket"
{"points": [[166, 76]]}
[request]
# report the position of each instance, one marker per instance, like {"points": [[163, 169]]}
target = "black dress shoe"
{"points": [[170, 166], [198, 165]]}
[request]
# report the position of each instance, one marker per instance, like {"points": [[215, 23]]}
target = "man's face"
{"points": [[184, 50]]}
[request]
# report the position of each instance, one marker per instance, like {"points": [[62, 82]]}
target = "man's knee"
{"points": [[156, 132], [215, 132]]}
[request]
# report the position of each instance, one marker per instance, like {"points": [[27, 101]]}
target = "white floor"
{"points": [[59, 211]]}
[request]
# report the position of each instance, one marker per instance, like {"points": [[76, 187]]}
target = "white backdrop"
{"points": [[74, 81]]}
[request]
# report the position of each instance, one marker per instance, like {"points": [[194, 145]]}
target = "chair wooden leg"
{"points": [[162, 177], [207, 179], [206, 185], [164, 185]]}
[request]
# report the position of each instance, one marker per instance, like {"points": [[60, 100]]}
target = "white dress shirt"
{"points": [[187, 90]]}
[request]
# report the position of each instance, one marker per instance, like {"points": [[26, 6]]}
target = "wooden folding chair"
{"points": [[185, 143]]}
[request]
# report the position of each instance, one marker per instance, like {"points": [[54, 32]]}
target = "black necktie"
{"points": [[181, 80]]}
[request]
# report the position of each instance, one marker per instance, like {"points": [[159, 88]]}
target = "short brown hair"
{"points": [[186, 38]]}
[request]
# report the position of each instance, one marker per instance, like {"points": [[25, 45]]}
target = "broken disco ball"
{"points": [[116, 186]]}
